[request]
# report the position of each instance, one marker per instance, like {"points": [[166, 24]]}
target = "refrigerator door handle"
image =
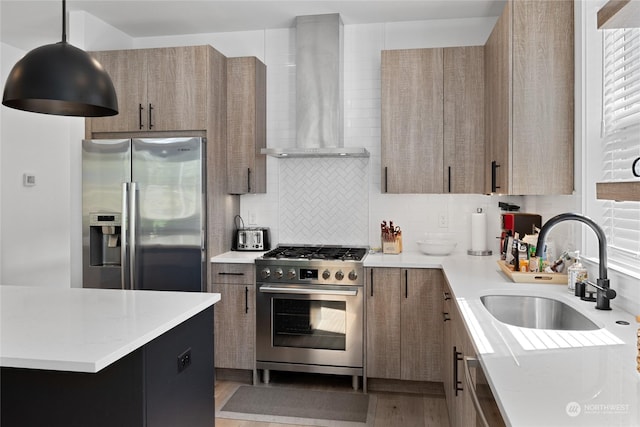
{"points": [[124, 229], [133, 206]]}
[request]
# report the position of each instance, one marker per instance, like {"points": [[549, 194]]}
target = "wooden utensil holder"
{"points": [[393, 246]]}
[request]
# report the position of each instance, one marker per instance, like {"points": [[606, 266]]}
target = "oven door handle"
{"points": [[309, 291]]}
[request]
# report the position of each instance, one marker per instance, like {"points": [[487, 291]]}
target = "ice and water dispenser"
{"points": [[104, 238]]}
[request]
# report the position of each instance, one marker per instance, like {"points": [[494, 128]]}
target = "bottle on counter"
{"points": [[576, 273]]}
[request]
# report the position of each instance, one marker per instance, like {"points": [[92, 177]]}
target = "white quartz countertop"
{"points": [[541, 377], [85, 330], [237, 257]]}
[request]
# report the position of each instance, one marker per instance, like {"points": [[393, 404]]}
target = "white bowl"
{"points": [[437, 247]]}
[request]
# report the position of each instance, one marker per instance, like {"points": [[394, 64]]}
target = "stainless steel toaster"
{"points": [[252, 239]]}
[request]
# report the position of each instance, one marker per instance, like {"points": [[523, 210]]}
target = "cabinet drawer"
{"points": [[233, 273]]}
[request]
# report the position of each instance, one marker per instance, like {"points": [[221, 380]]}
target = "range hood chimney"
{"points": [[319, 91]]}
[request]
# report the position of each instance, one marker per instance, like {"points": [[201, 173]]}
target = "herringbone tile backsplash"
{"points": [[324, 201]]}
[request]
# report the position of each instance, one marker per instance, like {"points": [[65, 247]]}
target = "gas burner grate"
{"points": [[332, 253]]}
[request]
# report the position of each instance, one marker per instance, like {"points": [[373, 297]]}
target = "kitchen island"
{"points": [[541, 377], [94, 357]]}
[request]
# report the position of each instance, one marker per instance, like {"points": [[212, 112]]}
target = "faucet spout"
{"points": [[602, 299]]}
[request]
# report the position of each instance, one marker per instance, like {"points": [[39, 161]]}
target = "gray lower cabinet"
{"points": [[235, 317], [167, 382], [404, 337]]}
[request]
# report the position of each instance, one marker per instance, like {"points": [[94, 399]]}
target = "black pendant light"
{"points": [[60, 79]]}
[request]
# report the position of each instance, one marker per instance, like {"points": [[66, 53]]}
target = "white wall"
{"points": [[35, 220], [40, 226]]}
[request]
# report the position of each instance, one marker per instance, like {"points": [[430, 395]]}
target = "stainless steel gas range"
{"points": [[310, 310]]}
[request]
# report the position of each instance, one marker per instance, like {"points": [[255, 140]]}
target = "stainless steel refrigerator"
{"points": [[143, 214]]}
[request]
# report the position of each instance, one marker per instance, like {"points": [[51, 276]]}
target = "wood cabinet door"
{"points": [[497, 53], [234, 326], [543, 97], [383, 322], [465, 411], [447, 352], [246, 125], [421, 325], [464, 166], [412, 121], [177, 82], [127, 69]]}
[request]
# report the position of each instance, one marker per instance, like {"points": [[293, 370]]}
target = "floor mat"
{"points": [[299, 406]]}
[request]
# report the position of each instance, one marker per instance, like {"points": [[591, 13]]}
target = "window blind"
{"points": [[621, 140]]}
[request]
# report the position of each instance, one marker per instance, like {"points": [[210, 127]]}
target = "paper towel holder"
{"points": [[486, 252]]}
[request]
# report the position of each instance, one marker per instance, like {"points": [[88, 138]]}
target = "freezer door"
{"points": [[168, 208], [106, 165]]}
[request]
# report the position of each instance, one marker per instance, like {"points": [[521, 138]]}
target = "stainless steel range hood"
{"points": [[319, 91]]}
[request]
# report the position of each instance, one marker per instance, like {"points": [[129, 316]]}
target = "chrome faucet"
{"points": [[604, 293]]}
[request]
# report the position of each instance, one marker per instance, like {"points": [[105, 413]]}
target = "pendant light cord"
{"points": [[64, 21]]}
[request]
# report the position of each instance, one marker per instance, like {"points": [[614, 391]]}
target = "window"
{"points": [[621, 140]]}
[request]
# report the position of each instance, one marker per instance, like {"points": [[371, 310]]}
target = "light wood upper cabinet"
{"points": [[161, 89], [433, 120], [234, 316], [464, 119], [529, 81], [128, 71], [246, 125], [404, 335], [412, 121]]}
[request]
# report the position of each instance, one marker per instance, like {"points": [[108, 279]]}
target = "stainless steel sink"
{"points": [[536, 312]]}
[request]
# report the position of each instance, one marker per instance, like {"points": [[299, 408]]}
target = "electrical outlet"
{"points": [[252, 218], [443, 220], [184, 360]]}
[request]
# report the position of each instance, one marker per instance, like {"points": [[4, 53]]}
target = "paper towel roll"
{"points": [[478, 231]]}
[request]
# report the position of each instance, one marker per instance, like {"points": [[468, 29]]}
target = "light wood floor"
{"points": [[392, 409]]}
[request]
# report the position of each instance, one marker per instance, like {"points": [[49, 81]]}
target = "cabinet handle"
{"points": [[150, 115], [140, 108], [386, 181], [457, 357], [248, 180], [446, 295], [634, 169], [449, 178], [446, 317], [406, 284], [470, 362], [246, 299], [494, 176], [225, 273], [371, 282]]}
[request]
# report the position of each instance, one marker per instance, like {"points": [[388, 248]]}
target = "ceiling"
{"points": [[27, 24]]}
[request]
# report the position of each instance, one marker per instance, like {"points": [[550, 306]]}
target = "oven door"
{"points": [[311, 325]]}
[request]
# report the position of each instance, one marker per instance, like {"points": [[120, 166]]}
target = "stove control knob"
{"points": [[278, 273], [291, 274], [339, 275], [353, 275], [326, 274], [265, 273]]}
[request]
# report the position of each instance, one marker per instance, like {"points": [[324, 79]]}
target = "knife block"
{"points": [[393, 246]]}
